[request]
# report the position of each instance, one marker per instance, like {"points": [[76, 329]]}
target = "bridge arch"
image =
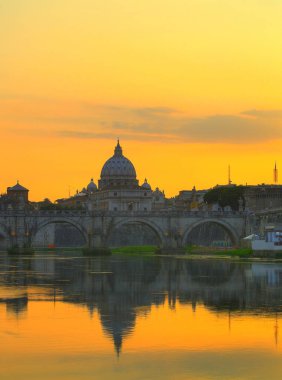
{"points": [[232, 233], [137, 221], [4, 230], [59, 220], [4, 236]]}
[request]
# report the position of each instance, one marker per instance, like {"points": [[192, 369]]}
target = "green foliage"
{"points": [[226, 196], [238, 252], [16, 250], [144, 249], [190, 248]]}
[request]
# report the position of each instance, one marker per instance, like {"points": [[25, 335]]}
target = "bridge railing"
{"points": [[42, 213], [174, 213], [94, 213], [268, 211]]}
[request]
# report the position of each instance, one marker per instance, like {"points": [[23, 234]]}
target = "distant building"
{"points": [[15, 198], [118, 189], [18, 192], [272, 240], [261, 197], [191, 200], [254, 197]]}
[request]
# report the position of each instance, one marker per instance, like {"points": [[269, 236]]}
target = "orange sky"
{"points": [[188, 86]]}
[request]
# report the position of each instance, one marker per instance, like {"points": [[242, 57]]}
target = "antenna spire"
{"points": [[229, 175], [275, 174]]}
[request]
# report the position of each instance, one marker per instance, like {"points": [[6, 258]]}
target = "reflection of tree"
{"points": [[118, 288]]}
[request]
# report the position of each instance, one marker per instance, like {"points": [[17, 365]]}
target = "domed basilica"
{"points": [[118, 172], [118, 189]]}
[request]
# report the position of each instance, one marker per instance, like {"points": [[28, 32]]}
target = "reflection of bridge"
{"points": [[171, 227], [120, 289]]}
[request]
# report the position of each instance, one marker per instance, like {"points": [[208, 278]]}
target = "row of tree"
{"points": [[226, 196]]}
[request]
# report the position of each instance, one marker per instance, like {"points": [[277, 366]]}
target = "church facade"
{"points": [[118, 189]]}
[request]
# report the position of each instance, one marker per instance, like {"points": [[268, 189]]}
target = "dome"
{"points": [[118, 166], [91, 187], [118, 171], [146, 185], [17, 187]]}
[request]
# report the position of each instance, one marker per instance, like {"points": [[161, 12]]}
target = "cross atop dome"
{"points": [[118, 149]]}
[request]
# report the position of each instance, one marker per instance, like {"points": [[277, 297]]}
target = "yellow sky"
{"points": [[188, 85]]}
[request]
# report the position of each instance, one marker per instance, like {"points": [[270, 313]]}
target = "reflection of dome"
{"points": [[91, 187], [118, 320], [118, 171], [146, 185]]}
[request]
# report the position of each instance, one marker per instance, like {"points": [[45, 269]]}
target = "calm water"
{"points": [[68, 317]]}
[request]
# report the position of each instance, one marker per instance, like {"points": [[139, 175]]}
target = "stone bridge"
{"points": [[171, 227]]}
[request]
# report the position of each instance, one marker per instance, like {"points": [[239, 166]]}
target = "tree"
{"points": [[226, 196]]}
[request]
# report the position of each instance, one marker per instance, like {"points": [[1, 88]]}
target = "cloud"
{"points": [[140, 128], [87, 120], [135, 110], [84, 134], [215, 128], [225, 128], [111, 136], [264, 113], [149, 112]]}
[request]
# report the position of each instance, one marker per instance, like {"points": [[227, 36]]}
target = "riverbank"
{"points": [[196, 252], [146, 250], [191, 252], [210, 251]]}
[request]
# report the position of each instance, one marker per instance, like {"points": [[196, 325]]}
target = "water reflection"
{"points": [[120, 289]]}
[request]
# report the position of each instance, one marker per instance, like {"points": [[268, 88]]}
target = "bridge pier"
{"points": [[172, 244], [18, 237], [96, 240]]}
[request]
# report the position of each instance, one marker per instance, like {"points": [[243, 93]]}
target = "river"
{"points": [[64, 316]]}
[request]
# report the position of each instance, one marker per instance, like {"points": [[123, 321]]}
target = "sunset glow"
{"points": [[189, 87]]}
